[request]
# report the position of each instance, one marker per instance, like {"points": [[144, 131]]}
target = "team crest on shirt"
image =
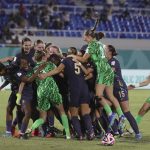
{"points": [[113, 63], [19, 74]]}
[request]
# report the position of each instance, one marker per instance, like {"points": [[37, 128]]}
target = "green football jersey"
{"points": [[96, 51], [47, 89]]}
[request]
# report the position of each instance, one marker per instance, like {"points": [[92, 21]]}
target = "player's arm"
{"points": [[86, 71], [141, 84], [29, 79], [83, 59], [61, 75], [89, 76], [90, 73], [6, 59], [32, 78], [144, 83], [52, 72]]}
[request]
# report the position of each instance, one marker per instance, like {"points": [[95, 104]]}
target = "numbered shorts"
{"points": [[79, 96], [121, 93]]}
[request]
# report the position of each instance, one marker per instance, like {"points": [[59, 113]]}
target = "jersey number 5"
{"points": [[77, 68]]}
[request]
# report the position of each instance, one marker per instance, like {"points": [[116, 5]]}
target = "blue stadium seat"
{"points": [[134, 22]]}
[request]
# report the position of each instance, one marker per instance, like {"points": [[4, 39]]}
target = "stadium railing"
{"points": [[78, 33]]}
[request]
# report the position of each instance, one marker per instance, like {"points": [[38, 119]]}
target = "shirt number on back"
{"points": [[77, 68]]}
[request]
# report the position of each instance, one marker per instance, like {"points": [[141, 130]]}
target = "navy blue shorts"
{"points": [[79, 96], [121, 93], [28, 97]]}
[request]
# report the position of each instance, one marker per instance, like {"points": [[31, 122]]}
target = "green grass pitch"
{"points": [[137, 98]]}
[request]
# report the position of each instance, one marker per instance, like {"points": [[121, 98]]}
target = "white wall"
{"points": [[65, 42], [132, 76]]}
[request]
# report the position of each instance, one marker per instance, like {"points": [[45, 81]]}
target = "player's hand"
{"points": [[18, 98], [10, 58], [42, 76], [131, 87]]}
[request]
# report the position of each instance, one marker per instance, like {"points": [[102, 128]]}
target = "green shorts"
{"points": [[48, 92], [105, 78]]}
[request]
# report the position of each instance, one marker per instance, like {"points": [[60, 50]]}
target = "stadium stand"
{"points": [[120, 19]]}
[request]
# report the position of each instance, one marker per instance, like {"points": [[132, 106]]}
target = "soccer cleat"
{"points": [[57, 131], [130, 131], [68, 137], [7, 134], [23, 136], [121, 132], [28, 132], [116, 133], [48, 135], [34, 132], [91, 136], [121, 123], [100, 135], [41, 132], [138, 136], [50, 131]]}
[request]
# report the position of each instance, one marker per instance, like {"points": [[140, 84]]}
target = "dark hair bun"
{"points": [[113, 50], [99, 35]]}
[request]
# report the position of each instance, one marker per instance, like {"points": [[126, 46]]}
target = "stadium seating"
{"points": [[125, 22]]}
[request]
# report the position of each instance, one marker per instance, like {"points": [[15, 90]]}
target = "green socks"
{"points": [[37, 123], [107, 109], [138, 119], [119, 111], [65, 125], [64, 119]]}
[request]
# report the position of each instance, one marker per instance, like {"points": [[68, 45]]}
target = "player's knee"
{"points": [[98, 100]]}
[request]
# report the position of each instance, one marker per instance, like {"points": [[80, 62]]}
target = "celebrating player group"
{"points": [[83, 89]]}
